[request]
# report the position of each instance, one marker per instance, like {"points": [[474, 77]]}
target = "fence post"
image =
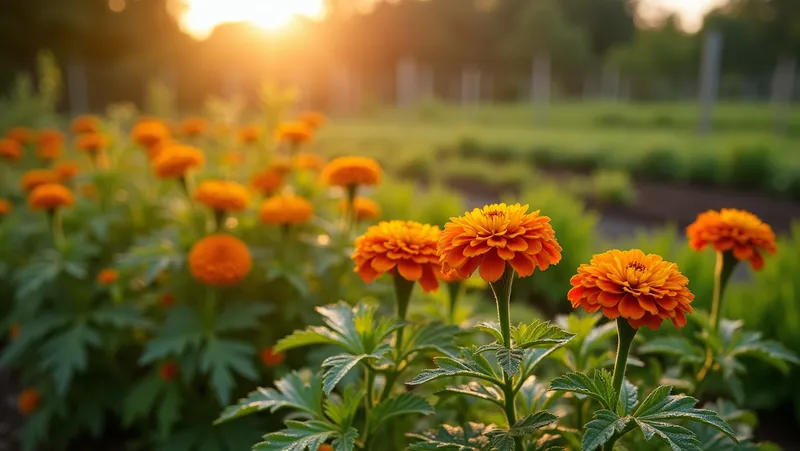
{"points": [[540, 85], [783, 91], [77, 88], [709, 78]]}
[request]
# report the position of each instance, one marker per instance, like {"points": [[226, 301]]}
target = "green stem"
{"points": [[56, 227], [726, 263], [350, 213], [625, 336], [219, 220], [210, 308], [454, 292], [402, 290], [369, 375]]}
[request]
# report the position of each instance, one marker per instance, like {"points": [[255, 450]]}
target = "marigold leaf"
{"points": [[600, 388], [221, 359], [474, 389], [470, 437], [65, 354], [339, 365], [539, 334], [403, 404], [473, 365], [241, 317], [180, 331], [298, 436], [291, 391], [603, 426]]}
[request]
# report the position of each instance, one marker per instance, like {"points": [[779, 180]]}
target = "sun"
{"points": [[200, 17]]}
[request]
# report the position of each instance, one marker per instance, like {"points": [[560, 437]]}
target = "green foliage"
{"points": [[599, 387], [471, 437]]}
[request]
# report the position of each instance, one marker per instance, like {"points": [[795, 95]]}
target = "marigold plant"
{"points": [[267, 182], [66, 170], [174, 161], [496, 235], [732, 230], [36, 177], [314, 119], [148, 133], [85, 124], [249, 134], [220, 260], [294, 133], [91, 143], [364, 208], [309, 161], [10, 149], [49, 151], [269, 357], [22, 135], [221, 195], [50, 136], [194, 126], [352, 171], [28, 401], [50, 196], [286, 210], [5, 207], [107, 276]]}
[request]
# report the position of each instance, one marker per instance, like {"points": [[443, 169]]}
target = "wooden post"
{"points": [[77, 88], [406, 82], [540, 85], [709, 78], [783, 91]]}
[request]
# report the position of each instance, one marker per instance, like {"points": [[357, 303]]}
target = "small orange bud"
{"points": [[28, 401], [325, 447], [272, 358], [168, 300], [168, 371], [14, 331], [107, 276]]}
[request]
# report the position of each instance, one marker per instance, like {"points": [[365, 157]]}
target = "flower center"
{"points": [[495, 214], [636, 266]]}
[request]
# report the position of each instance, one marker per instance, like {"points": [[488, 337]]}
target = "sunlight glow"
{"points": [[201, 16], [691, 11]]}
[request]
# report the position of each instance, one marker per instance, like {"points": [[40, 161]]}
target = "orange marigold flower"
{"points": [[352, 171], [407, 246], [85, 124], [222, 195], [313, 119], [194, 126], [149, 132], [220, 260], [738, 231], [28, 401], [50, 136], [644, 289], [294, 133], [288, 209], [107, 276], [309, 161], [271, 358], [451, 276], [22, 135], [167, 300], [232, 158], [14, 331], [250, 134], [168, 371], [37, 177], [49, 151], [174, 161], [495, 235], [66, 170], [267, 182], [50, 196], [325, 447], [10, 149], [91, 143], [156, 149], [5, 207], [283, 166], [365, 208]]}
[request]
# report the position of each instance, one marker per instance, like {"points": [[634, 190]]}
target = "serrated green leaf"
{"points": [[677, 437], [345, 441], [403, 404], [180, 331], [222, 359], [169, 410], [65, 354], [660, 406], [141, 398], [475, 389], [492, 329], [510, 359], [337, 367], [121, 316], [628, 397], [310, 336], [291, 391], [532, 423], [436, 337], [539, 334], [603, 426], [342, 409], [471, 437], [676, 346], [751, 344], [241, 317], [600, 388], [298, 436], [472, 365], [531, 396], [32, 331], [501, 440], [340, 318]]}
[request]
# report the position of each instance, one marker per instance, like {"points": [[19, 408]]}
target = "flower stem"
{"points": [[402, 291], [56, 227], [454, 292], [350, 212], [625, 335], [726, 263], [210, 308], [219, 220]]}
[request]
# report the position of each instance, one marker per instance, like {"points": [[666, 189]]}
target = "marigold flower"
{"points": [[50, 136], [194, 126], [220, 260], [309, 161], [156, 149], [10, 149], [22, 135], [495, 235], [66, 170], [451, 276], [407, 246], [232, 158], [37, 177], [313, 119], [267, 182], [14, 331], [49, 151], [734, 230], [107, 276], [167, 300], [644, 289], [85, 124], [325, 447], [91, 143], [174, 161], [283, 166], [294, 133], [5, 207], [271, 358], [249, 134], [352, 171], [150, 132], [168, 371], [50, 196], [284, 210], [222, 195], [365, 208], [28, 401]]}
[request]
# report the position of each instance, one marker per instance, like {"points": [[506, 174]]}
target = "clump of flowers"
{"points": [[107, 276], [643, 289], [232, 158], [28, 401], [249, 134], [85, 124], [294, 133], [66, 170], [220, 195], [49, 136], [92, 143], [736, 231], [37, 177], [352, 171], [174, 161], [10, 149], [22, 135], [149, 132], [50, 196], [405, 248], [286, 210], [192, 127], [5, 207], [267, 182], [309, 161], [496, 236], [220, 260], [313, 119], [50, 144], [363, 207], [271, 358]]}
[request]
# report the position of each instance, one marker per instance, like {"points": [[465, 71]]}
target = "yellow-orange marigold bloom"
{"points": [[267, 182], [22, 135], [325, 447], [194, 126], [107, 276], [250, 134], [174, 161], [85, 124], [49, 151], [309, 161], [220, 260], [10, 149], [66, 170], [148, 133], [405, 246], [352, 171], [5, 207], [37, 177], [495, 235], [91, 143], [738, 231], [222, 195], [644, 289], [28, 401], [314, 119], [365, 208], [50, 136], [286, 210], [284, 166], [50, 196], [294, 133], [156, 149]]}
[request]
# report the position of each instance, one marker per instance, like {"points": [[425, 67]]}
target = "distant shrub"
{"points": [[469, 148], [613, 187], [664, 121], [610, 120], [704, 169], [416, 167], [659, 163], [500, 154], [750, 167]]}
